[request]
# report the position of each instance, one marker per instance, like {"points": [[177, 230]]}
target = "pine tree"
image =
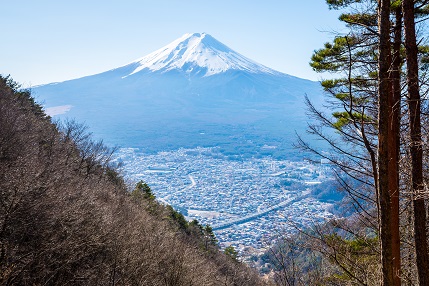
{"points": [[370, 36], [384, 93], [416, 147]]}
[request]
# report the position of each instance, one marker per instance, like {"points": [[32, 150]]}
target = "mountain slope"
{"points": [[193, 92], [68, 219]]}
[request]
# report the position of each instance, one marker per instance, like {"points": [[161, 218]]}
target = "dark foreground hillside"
{"points": [[67, 218]]}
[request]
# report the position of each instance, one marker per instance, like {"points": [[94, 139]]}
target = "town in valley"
{"points": [[247, 201]]}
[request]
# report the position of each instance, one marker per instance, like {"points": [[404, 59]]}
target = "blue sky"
{"points": [[46, 41]]}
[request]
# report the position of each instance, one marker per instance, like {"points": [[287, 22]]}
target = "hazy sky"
{"points": [[45, 41]]}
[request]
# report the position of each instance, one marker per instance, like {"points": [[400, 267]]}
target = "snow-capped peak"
{"points": [[198, 53]]}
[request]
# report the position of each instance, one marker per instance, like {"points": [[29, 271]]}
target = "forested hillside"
{"points": [[67, 217]]}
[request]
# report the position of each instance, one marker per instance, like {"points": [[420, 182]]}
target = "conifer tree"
{"points": [[384, 93], [416, 147], [371, 27]]}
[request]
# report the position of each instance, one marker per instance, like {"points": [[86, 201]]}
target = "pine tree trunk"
{"points": [[393, 145], [384, 92], [416, 143]]}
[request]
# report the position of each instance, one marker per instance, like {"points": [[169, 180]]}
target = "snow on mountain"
{"points": [[198, 53]]}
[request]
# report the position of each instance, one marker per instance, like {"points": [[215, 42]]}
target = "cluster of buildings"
{"points": [[248, 202]]}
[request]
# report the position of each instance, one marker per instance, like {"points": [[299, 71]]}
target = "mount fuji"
{"points": [[195, 91], [198, 54]]}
